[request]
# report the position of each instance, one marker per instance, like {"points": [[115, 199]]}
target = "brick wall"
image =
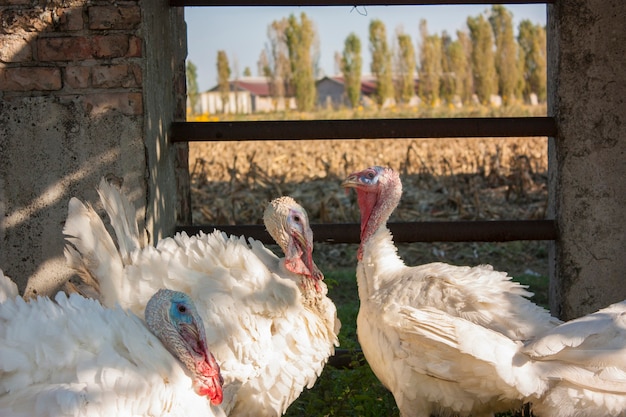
{"points": [[93, 51], [84, 94]]}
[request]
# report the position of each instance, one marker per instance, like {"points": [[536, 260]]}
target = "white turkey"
{"points": [[576, 369], [422, 382], [590, 352], [268, 320], [72, 357]]}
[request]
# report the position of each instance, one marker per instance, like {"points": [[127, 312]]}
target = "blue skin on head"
{"points": [[181, 309]]}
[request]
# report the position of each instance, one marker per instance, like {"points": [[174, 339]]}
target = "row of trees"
{"points": [[483, 61]]}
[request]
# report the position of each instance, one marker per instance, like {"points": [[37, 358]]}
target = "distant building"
{"points": [[331, 92], [247, 95], [253, 95]]}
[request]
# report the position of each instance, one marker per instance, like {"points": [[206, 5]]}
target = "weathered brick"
{"points": [[74, 48], [134, 47], [114, 17], [16, 48], [67, 48], [126, 103], [78, 76], [110, 46], [25, 20], [112, 76], [30, 79], [137, 73], [70, 19], [14, 2]]}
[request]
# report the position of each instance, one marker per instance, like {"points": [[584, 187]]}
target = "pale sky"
{"points": [[242, 31]]}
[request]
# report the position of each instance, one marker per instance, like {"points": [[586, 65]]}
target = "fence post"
{"points": [[587, 159]]}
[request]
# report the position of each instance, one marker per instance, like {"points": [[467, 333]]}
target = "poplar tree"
{"points": [[405, 68], [430, 66], [278, 69], [381, 61], [483, 60], [192, 85], [223, 77], [532, 42], [539, 80], [506, 58], [448, 77], [263, 64], [351, 63], [461, 63], [299, 38]]}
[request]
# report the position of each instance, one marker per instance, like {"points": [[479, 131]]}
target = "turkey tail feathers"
{"points": [[90, 249], [122, 216]]}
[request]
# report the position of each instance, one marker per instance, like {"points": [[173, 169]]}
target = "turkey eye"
{"points": [[182, 309], [296, 219]]}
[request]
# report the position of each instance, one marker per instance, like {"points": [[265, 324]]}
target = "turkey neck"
{"points": [[377, 249], [377, 205]]}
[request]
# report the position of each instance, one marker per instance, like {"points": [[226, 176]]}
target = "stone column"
{"points": [[587, 91], [79, 87]]}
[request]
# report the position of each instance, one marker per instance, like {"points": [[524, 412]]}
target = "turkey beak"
{"points": [[299, 255], [208, 381], [352, 181]]}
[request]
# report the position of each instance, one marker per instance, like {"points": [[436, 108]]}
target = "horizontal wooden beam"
{"points": [[445, 231], [363, 129], [297, 3]]}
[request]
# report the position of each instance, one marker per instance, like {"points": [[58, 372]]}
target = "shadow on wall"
{"points": [[71, 111]]}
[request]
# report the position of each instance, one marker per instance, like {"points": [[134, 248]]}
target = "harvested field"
{"points": [[450, 178], [444, 179]]}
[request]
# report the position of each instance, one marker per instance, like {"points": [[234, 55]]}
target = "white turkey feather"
{"points": [[103, 257], [479, 359], [591, 380], [8, 289], [597, 339], [73, 357], [478, 294], [270, 329], [123, 219]]}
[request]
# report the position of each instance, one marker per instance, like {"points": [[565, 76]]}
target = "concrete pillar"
{"points": [[587, 96], [85, 91]]}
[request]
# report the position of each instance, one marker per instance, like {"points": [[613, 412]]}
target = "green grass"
{"points": [[345, 392], [537, 284], [357, 392]]}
